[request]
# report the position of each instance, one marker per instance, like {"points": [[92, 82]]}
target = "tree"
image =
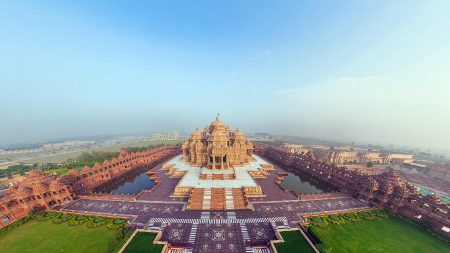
{"points": [[369, 164]]}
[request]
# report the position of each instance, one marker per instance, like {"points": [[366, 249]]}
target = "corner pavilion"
{"points": [[217, 169]]}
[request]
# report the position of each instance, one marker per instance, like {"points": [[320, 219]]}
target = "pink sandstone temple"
{"points": [[217, 170], [217, 147]]}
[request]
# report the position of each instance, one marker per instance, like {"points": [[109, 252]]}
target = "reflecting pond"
{"points": [[132, 184], [301, 182]]}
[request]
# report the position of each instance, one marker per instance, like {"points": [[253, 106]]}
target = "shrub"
{"points": [[81, 218], [336, 219], [353, 217], [64, 216], [119, 221], [99, 219], [319, 221], [50, 214], [381, 213], [367, 215]]}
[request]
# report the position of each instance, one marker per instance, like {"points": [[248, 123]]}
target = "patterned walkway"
{"points": [[217, 221], [235, 231]]}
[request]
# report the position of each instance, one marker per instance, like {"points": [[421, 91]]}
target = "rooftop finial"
{"points": [[218, 115]]}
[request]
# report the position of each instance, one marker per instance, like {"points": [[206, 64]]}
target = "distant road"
{"points": [[4, 166]]}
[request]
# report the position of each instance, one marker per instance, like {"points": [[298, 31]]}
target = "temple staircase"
{"points": [[196, 199], [207, 199], [229, 201], [217, 199], [239, 199]]}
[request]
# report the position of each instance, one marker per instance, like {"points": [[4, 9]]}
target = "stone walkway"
{"points": [[216, 231]]}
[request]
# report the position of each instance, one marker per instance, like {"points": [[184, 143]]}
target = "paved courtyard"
{"points": [[215, 231]]}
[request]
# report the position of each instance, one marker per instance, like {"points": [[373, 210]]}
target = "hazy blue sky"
{"points": [[364, 71]]}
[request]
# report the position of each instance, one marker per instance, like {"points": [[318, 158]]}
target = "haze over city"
{"points": [[370, 72]]}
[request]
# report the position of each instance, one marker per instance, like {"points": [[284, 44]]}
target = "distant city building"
{"points": [[261, 137], [342, 155], [52, 147], [295, 149], [439, 171], [166, 136]]}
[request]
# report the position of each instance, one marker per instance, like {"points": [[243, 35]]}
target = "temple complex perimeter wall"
{"points": [[90, 178], [40, 190], [387, 190]]}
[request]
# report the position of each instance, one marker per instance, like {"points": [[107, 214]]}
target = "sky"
{"points": [[363, 71]]}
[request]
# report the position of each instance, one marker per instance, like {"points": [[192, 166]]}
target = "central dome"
{"points": [[217, 122], [218, 136]]}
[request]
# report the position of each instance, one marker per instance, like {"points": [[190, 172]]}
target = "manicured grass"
{"points": [[142, 242], [293, 242], [45, 236], [380, 235]]}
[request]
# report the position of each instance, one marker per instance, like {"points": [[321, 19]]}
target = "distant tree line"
{"points": [[16, 169], [140, 149]]}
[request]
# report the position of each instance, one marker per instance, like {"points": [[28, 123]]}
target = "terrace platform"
{"points": [[226, 189], [202, 177]]}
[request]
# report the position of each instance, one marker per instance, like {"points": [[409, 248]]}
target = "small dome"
{"points": [[217, 122], [197, 135], [86, 169], [238, 135]]}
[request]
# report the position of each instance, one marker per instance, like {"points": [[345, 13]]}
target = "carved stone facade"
{"points": [[37, 191], [387, 190], [41, 190], [358, 156], [90, 178], [217, 147]]}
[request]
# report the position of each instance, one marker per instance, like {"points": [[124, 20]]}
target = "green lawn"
{"points": [[45, 236], [142, 242], [380, 235], [293, 242]]}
